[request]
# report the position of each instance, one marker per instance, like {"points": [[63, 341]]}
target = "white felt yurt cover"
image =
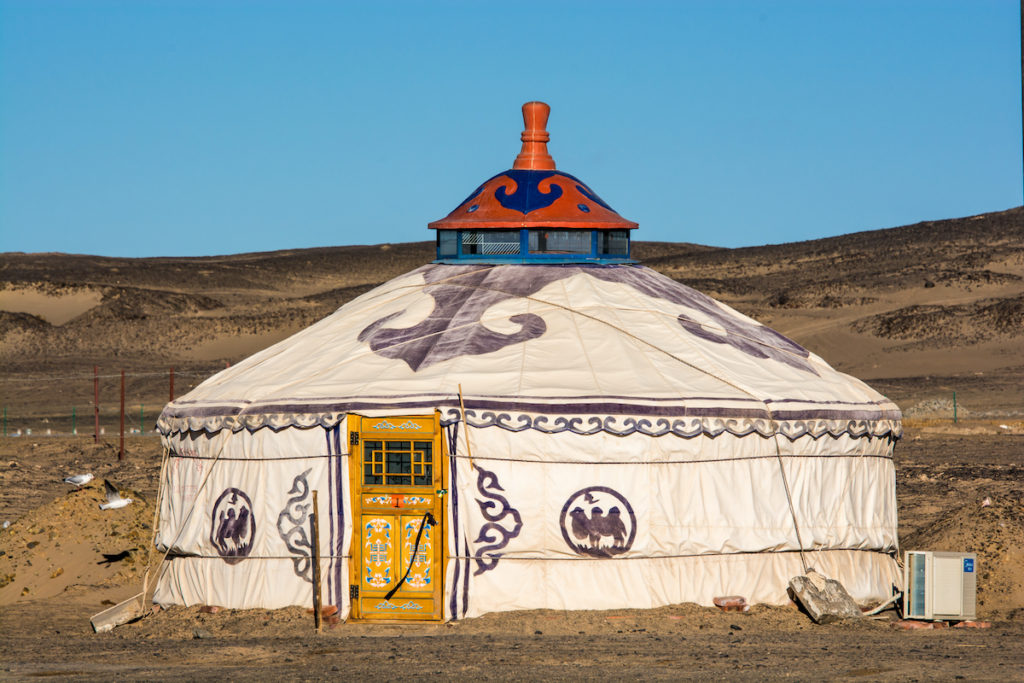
{"points": [[584, 386]]}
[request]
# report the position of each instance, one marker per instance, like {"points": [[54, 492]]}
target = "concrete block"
{"points": [[824, 599]]}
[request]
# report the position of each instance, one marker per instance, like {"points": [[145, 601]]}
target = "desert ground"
{"points": [[919, 312]]}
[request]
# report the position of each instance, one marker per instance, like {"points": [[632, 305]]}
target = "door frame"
{"points": [[402, 500]]}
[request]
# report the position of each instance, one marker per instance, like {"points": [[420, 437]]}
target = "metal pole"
{"points": [[5, 420], [954, 407], [74, 430], [315, 521], [142, 419], [120, 452], [172, 384], [96, 403]]}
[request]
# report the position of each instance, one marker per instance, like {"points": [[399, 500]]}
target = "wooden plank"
{"points": [[121, 613]]}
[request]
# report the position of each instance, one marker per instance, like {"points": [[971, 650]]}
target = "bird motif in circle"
{"points": [[588, 530], [233, 526]]}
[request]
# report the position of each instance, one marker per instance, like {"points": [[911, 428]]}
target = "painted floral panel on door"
{"points": [[420, 577], [378, 552]]}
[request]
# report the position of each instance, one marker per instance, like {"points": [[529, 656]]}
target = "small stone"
{"points": [[201, 634], [731, 603], [911, 625], [973, 624]]}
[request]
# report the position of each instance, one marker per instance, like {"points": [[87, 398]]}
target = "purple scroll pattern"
{"points": [[493, 533], [291, 525], [462, 294]]}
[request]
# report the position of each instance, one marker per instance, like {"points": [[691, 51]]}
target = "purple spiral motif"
{"points": [[493, 533]]}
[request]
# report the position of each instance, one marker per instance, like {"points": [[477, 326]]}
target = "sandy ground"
{"points": [[64, 560]]}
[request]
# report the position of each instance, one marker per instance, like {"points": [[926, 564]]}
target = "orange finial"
{"points": [[534, 155]]}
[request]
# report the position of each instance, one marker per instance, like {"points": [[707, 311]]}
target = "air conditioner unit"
{"points": [[939, 585]]}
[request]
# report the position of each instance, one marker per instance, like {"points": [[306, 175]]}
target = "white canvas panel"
{"points": [[843, 444], [256, 445], [566, 447], [266, 583], [216, 482], [195, 485], [647, 583], [732, 506]]}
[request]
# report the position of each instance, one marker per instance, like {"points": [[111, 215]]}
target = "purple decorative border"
{"points": [[342, 487], [452, 432], [619, 419], [330, 517]]}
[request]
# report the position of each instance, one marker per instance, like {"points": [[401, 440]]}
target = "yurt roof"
{"points": [[554, 348]]}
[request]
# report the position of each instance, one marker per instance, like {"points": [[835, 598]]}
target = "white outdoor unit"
{"points": [[939, 585]]}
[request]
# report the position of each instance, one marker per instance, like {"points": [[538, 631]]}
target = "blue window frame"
{"points": [[533, 245]]}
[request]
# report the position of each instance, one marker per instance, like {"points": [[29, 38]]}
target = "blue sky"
{"points": [[145, 128]]}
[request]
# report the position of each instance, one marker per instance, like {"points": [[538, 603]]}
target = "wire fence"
{"points": [[95, 404]]}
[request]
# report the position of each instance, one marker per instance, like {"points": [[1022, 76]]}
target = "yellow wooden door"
{"points": [[398, 488]]}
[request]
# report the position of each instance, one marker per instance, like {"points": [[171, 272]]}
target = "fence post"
{"points": [[74, 429], [172, 384], [954, 407], [96, 403], [120, 452], [315, 523], [142, 419]]}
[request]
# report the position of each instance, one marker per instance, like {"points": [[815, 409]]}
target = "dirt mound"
{"points": [[957, 325], [20, 322], [337, 296], [136, 303], [994, 532], [70, 541]]}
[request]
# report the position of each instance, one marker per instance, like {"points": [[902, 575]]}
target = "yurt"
{"points": [[532, 421]]}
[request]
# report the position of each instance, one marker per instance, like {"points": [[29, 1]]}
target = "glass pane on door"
{"points": [[398, 463]]}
